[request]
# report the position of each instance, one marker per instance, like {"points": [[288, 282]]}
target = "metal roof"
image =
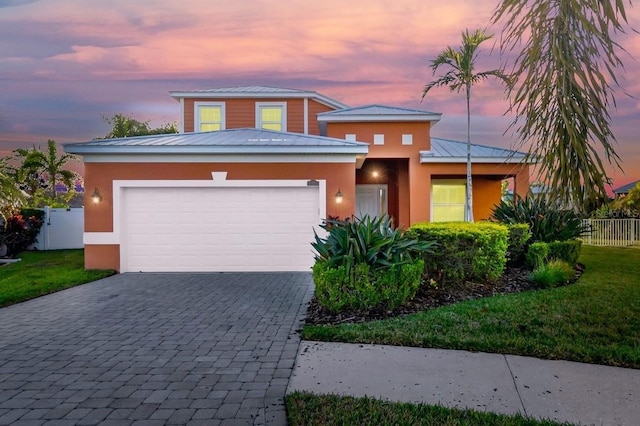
{"points": [[233, 141], [255, 92], [378, 113], [626, 188], [448, 151]]}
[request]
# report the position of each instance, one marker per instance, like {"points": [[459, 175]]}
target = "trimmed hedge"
{"points": [[466, 251], [360, 288], [540, 254], [568, 251], [537, 255], [519, 236]]}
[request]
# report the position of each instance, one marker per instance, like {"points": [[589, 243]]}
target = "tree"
{"points": [[563, 71], [461, 76], [10, 194], [41, 170], [124, 126]]}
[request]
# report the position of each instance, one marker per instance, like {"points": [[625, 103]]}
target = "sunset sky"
{"points": [[64, 64]]}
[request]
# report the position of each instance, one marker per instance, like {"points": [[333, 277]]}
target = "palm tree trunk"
{"points": [[469, 203]]}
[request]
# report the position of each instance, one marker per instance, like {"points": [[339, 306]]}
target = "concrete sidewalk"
{"points": [[559, 390]]}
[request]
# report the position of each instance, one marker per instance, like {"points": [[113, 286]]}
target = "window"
{"points": [[378, 139], [448, 200], [407, 139], [209, 116], [271, 116], [351, 137]]}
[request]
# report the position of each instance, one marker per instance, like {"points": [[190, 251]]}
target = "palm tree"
{"points": [[564, 70], [40, 169], [10, 194], [461, 76]]}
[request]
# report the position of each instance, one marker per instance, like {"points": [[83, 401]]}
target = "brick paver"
{"points": [[154, 349]]}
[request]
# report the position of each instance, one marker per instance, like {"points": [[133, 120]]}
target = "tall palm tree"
{"points": [[461, 76], [565, 74]]}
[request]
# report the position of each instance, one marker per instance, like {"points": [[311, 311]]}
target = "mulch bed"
{"points": [[514, 280]]}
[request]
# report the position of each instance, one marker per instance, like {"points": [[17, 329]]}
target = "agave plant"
{"points": [[546, 221], [373, 241]]}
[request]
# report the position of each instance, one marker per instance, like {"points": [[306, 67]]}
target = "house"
{"points": [[254, 170], [622, 191]]}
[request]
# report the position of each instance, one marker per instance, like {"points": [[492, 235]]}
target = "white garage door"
{"points": [[220, 229]]}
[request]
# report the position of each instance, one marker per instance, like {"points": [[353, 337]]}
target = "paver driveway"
{"points": [[154, 349]]}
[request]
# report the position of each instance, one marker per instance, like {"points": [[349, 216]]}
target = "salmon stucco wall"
{"points": [[99, 217], [241, 113]]}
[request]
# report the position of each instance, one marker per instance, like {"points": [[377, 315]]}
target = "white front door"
{"points": [[371, 199]]}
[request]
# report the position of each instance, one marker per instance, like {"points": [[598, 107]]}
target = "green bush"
{"points": [[540, 253], [537, 255], [466, 251], [361, 288], [367, 264], [553, 274], [519, 235], [546, 222], [568, 251], [373, 241]]}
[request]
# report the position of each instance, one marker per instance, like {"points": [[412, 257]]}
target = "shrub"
{"points": [[540, 253], [366, 264], [546, 222], [358, 287], [373, 241], [466, 251], [554, 273], [519, 235], [537, 255], [568, 251], [20, 230]]}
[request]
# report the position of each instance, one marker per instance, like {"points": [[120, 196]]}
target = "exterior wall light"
{"points": [[96, 197], [375, 173], [339, 196]]}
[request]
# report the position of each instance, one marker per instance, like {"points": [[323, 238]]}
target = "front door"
{"points": [[371, 199]]}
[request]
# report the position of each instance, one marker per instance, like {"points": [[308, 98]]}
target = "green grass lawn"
{"points": [[44, 272], [596, 320], [308, 409]]}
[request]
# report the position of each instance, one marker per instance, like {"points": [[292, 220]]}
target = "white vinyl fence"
{"points": [[61, 229], [612, 232]]}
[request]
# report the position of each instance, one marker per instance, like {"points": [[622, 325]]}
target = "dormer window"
{"points": [[271, 116], [209, 116]]}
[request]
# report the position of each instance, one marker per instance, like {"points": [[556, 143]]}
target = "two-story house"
{"points": [[255, 169]]}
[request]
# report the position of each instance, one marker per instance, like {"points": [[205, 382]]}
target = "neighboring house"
{"points": [[622, 191], [256, 169]]}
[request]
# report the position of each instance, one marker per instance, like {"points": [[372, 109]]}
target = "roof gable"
{"points": [[448, 151], [262, 92], [233, 141], [376, 112], [626, 188]]}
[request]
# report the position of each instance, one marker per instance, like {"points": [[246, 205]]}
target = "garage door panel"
{"points": [[218, 228]]}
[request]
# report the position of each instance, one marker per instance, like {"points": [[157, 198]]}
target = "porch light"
{"points": [[96, 197], [339, 196], [375, 174]]}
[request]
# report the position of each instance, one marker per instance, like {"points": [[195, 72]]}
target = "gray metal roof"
{"points": [[256, 92], [626, 188], [378, 113], [448, 151], [233, 141]]}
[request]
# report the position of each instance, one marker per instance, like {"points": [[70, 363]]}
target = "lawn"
{"points": [[596, 320], [308, 409], [44, 272]]}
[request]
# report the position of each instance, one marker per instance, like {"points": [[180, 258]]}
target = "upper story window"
{"points": [[209, 116], [271, 116]]}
